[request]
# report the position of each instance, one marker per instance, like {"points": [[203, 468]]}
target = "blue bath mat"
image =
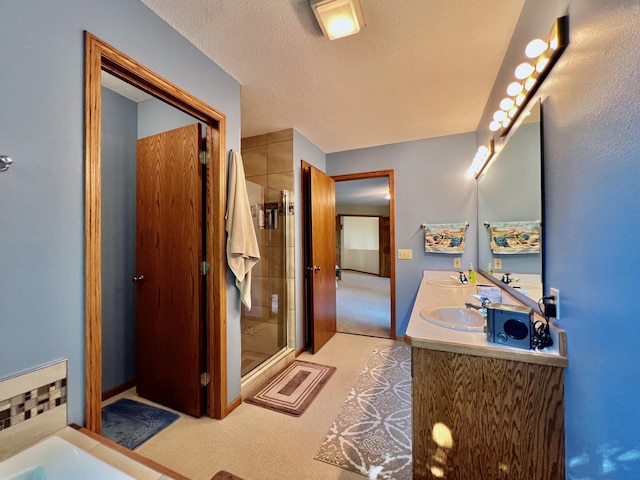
{"points": [[130, 423]]}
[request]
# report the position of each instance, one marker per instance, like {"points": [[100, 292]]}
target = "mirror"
{"points": [[510, 210]]}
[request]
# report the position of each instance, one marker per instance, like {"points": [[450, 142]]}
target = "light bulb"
{"points": [[441, 434], [535, 48], [524, 70], [542, 63], [494, 126], [500, 115], [554, 43], [514, 89], [512, 112], [506, 103], [506, 122], [520, 99], [528, 85]]}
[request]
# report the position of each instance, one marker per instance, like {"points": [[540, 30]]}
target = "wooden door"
{"points": [[320, 256], [169, 310], [339, 246], [385, 247]]}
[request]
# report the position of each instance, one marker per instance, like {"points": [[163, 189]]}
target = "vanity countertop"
{"points": [[423, 334]]}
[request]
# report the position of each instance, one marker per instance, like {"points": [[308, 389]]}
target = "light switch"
{"points": [[457, 262], [497, 264], [405, 254]]}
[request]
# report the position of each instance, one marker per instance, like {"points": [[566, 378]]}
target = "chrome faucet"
{"points": [[507, 279], [462, 278], [485, 302]]}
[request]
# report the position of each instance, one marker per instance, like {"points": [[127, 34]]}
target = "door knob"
{"points": [[138, 278], [316, 268]]}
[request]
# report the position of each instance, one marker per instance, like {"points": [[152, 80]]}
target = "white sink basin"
{"points": [[457, 318], [447, 282]]}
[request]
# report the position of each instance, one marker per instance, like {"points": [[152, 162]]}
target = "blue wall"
{"points": [[430, 187], [155, 116], [42, 128], [592, 181], [119, 135], [591, 119]]}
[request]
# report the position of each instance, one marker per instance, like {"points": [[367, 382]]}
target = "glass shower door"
{"points": [[264, 327]]}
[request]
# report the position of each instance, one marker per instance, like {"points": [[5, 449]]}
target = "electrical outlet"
{"points": [[405, 254], [497, 264], [556, 293], [457, 262]]}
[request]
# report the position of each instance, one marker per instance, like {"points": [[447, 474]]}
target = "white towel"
{"points": [[242, 245]]}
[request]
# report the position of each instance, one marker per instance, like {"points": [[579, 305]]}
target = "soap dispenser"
{"points": [[489, 271], [472, 273]]}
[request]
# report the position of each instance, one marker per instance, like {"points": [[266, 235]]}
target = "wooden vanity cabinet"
{"points": [[494, 418]]}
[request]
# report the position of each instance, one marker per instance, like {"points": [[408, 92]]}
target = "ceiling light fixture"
{"points": [[480, 160], [338, 18], [543, 54]]}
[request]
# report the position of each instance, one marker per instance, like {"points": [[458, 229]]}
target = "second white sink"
{"points": [[457, 318]]}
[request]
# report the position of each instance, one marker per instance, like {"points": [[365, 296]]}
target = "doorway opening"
{"points": [[363, 294], [100, 57], [365, 242]]}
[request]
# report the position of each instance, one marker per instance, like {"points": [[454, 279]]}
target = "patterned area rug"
{"points": [[293, 389], [130, 423], [372, 432]]}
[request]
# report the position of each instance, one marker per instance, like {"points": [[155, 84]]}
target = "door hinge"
{"points": [[204, 158], [205, 379], [204, 268]]}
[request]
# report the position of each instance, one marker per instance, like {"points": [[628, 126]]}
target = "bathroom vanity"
{"points": [[482, 410]]}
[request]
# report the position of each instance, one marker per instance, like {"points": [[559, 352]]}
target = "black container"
{"points": [[510, 325]]}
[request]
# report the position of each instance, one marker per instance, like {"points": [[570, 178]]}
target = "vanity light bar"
{"points": [[543, 55], [480, 160]]}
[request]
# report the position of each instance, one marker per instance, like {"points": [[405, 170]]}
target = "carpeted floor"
{"points": [[363, 304], [372, 431], [259, 444]]}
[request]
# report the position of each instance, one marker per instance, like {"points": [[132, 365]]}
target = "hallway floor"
{"points": [[363, 304], [259, 444]]}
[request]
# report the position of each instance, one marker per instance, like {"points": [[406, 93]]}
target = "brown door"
{"points": [[169, 285], [385, 247], [338, 246], [320, 256]]}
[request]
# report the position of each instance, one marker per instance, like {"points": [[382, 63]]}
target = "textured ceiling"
{"points": [[367, 191], [419, 69]]}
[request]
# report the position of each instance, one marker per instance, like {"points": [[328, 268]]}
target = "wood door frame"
{"points": [[102, 56], [392, 232]]}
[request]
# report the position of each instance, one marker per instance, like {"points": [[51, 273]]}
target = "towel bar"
{"points": [[423, 226]]}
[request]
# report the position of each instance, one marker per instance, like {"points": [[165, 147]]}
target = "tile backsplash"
{"points": [[27, 405], [33, 405]]}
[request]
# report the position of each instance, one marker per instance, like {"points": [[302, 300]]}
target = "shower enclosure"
{"points": [[268, 161]]}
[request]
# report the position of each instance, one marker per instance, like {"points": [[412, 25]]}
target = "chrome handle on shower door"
{"points": [[138, 278]]}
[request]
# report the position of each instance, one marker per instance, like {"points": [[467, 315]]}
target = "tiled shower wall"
{"points": [[268, 164], [33, 405]]}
